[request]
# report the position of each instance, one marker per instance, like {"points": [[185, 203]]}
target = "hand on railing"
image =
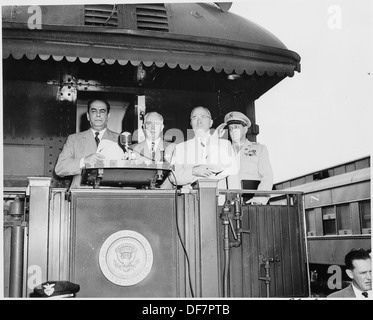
{"points": [[258, 200]]}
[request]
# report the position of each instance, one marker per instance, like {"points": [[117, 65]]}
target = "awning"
{"points": [[132, 46]]}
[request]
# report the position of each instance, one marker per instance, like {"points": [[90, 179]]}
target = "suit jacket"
{"points": [[218, 155], [143, 154], [77, 146], [347, 292]]}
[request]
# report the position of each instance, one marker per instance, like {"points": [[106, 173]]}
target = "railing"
{"points": [[232, 249], [15, 223]]}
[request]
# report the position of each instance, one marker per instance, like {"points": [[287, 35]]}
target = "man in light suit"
{"points": [[81, 148], [205, 155], [359, 269], [153, 148]]}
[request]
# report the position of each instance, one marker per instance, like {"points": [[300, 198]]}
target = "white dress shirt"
{"points": [[359, 293]]}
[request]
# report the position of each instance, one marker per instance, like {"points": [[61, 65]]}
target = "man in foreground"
{"points": [[359, 269]]}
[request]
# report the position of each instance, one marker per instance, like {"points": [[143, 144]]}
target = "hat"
{"points": [[237, 117], [55, 289]]}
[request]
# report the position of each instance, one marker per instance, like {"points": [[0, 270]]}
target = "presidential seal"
{"points": [[126, 258]]}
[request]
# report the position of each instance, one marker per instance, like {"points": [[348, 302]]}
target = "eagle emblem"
{"points": [[126, 254]]}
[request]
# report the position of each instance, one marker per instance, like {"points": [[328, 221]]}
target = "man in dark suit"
{"points": [[359, 269], [153, 148], [81, 148]]}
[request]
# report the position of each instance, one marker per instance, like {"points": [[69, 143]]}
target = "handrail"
{"points": [[280, 192]]}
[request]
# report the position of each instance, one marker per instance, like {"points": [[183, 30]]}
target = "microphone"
{"points": [[125, 139]]}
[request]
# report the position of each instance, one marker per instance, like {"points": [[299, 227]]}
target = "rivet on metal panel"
{"points": [[196, 14]]}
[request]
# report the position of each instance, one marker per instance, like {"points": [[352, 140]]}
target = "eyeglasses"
{"points": [[96, 112], [150, 124], [202, 117]]}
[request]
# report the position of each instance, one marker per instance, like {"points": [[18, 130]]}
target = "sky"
{"points": [[320, 117]]}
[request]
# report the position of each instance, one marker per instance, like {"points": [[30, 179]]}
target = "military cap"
{"points": [[56, 289], [237, 117]]}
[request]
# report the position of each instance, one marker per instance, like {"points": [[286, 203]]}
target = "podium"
{"points": [[124, 243], [125, 173]]}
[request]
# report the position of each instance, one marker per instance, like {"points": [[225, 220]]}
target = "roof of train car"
{"points": [[196, 35], [335, 181], [338, 169]]}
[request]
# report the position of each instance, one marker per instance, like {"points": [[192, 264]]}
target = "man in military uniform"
{"points": [[255, 170]]}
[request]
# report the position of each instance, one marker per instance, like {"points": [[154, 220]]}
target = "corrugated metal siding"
{"points": [[275, 232]]}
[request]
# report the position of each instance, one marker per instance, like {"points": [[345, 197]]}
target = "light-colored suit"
{"points": [[347, 292], [218, 155], [143, 155], [78, 146]]}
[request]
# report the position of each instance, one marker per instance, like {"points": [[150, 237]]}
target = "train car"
{"points": [[159, 57], [337, 203]]}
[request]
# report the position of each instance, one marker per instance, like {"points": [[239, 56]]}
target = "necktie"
{"points": [[153, 150], [202, 153], [96, 138], [365, 294]]}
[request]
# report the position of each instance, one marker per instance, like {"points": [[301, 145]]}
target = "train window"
{"points": [[329, 220], [364, 208], [344, 219], [311, 222]]}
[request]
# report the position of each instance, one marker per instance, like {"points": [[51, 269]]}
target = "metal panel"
{"points": [[332, 250], [48, 150], [31, 109], [273, 233], [38, 231], [7, 232], [142, 46], [209, 245], [97, 215], [357, 191], [317, 199], [59, 236], [21, 160]]}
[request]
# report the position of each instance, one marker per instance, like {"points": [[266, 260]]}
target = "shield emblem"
{"points": [[126, 254]]}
